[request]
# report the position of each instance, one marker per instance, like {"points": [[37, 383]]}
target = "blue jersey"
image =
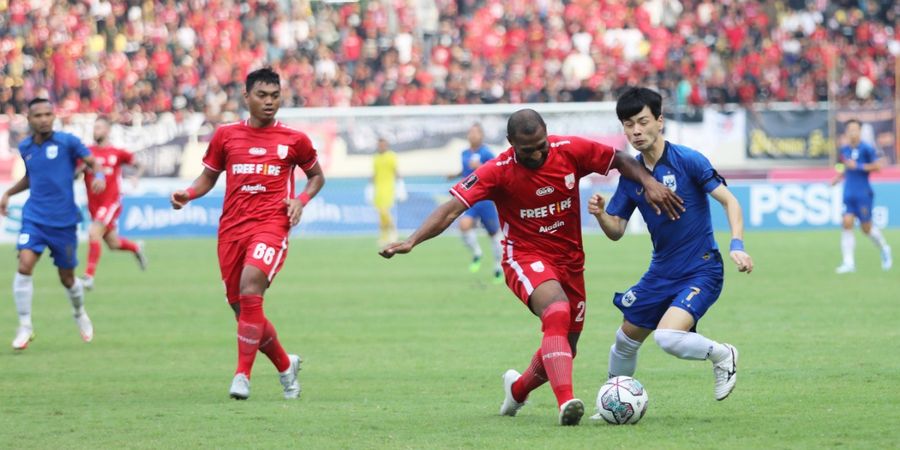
{"points": [[680, 246], [50, 167], [481, 156], [856, 181]]}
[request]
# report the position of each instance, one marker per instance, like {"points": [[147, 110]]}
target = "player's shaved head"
{"points": [[524, 122]]}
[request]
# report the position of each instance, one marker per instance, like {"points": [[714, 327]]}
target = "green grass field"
{"points": [[408, 353]]}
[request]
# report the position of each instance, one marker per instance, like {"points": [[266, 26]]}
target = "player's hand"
{"points": [[663, 200], [98, 185], [596, 204], [179, 199], [743, 261], [4, 204], [295, 210], [396, 248]]}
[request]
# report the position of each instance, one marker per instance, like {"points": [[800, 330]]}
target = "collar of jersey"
{"points": [[664, 159]]}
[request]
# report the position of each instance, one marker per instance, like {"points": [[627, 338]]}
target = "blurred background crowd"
{"points": [[123, 58]]}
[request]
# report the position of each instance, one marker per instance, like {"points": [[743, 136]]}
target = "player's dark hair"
{"points": [[478, 125], [635, 99], [856, 121], [524, 122], [37, 101], [265, 76]]}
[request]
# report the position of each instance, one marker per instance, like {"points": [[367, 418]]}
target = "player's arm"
{"points": [[840, 174], [736, 222], [315, 179], [612, 226], [435, 224], [22, 185], [99, 183], [660, 198], [200, 187]]}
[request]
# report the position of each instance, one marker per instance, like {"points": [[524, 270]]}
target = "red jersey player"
{"points": [[535, 187], [259, 156], [106, 205]]}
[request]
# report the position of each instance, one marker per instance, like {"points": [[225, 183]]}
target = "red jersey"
{"points": [[111, 159], [259, 174], [540, 210]]}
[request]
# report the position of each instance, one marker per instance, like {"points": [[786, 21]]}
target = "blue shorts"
{"points": [[861, 207], [486, 212], [646, 302], [63, 242]]}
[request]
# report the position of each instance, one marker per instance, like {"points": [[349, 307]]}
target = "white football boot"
{"points": [[845, 268], [510, 406], [726, 373], [87, 282], [886, 260], [240, 387], [85, 327], [289, 379], [570, 412], [24, 335]]}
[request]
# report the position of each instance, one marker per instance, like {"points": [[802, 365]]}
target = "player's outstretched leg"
{"points": [[251, 323], [623, 355], [689, 345], [137, 248], [93, 258], [848, 246], [286, 365], [556, 354], [75, 291], [23, 291], [533, 377], [467, 228], [878, 239]]}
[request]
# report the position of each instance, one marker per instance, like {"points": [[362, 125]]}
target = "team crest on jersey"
{"points": [[669, 182], [570, 181], [537, 266], [282, 151], [52, 151], [469, 181]]}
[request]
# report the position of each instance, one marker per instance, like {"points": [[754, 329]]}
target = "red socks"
{"points": [[93, 257], [251, 323], [273, 349], [125, 244], [533, 377], [556, 353]]}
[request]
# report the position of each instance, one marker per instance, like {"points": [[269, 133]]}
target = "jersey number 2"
{"points": [[581, 307]]}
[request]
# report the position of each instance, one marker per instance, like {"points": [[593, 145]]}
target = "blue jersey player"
{"points": [[858, 160], [483, 211], [686, 271], [50, 216]]}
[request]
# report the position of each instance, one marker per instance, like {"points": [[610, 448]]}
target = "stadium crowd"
{"points": [[122, 57]]}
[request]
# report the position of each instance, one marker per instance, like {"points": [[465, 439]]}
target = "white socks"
{"points": [[687, 345], [848, 244], [471, 240], [497, 240], [76, 296], [623, 355], [23, 291], [877, 238]]}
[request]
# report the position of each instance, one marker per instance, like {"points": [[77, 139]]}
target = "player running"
{"points": [[686, 273], [259, 155], [484, 211], [50, 217], [859, 159], [384, 181], [105, 206], [535, 187]]}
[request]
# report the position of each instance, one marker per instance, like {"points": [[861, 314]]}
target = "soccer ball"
{"points": [[621, 400]]}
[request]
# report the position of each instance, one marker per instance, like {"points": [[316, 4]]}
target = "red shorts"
{"points": [[265, 251], [524, 272], [106, 213]]}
